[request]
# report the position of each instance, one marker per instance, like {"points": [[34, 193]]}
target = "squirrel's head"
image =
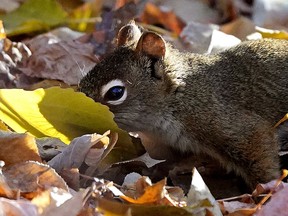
{"points": [[131, 81]]}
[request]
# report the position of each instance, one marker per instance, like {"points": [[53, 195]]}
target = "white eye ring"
{"points": [[111, 84]]}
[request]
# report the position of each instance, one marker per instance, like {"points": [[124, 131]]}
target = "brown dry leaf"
{"points": [[152, 194], [16, 148], [55, 201], [227, 9], [237, 208], [105, 31], [202, 38], [271, 14], [66, 60], [10, 207], [5, 190], [80, 148], [11, 54], [134, 185], [109, 207], [243, 212], [71, 177], [155, 16], [197, 11], [31, 177], [277, 205], [200, 197], [270, 186], [240, 27]]}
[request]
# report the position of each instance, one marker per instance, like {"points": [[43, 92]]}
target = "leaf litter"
{"points": [[61, 58]]}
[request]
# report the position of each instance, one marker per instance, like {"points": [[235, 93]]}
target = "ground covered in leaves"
{"points": [[62, 153]]}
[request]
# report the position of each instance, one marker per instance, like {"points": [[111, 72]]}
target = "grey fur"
{"points": [[223, 105]]}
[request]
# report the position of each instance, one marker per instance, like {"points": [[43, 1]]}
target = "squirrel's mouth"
{"points": [[126, 128]]}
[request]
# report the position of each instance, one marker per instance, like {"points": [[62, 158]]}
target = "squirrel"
{"points": [[223, 105]]}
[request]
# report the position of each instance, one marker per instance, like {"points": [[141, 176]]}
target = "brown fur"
{"points": [[223, 105]]}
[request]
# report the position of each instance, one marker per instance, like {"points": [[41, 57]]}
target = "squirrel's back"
{"points": [[252, 76]]}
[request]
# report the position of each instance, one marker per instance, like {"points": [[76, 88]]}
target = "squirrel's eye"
{"points": [[114, 92]]}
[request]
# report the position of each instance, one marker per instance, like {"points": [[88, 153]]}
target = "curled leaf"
{"points": [[78, 150]]}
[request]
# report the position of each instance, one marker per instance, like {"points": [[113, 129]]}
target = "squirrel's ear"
{"points": [[152, 45], [128, 34]]}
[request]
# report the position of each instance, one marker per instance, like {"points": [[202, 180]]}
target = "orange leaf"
{"points": [[17, 148], [153, 15], [151, 194], [30, 178]]}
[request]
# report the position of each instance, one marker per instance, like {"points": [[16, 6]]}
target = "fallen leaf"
{"points": [[15, 145], [83, 17], [11, 54], [55, 112], [76, 153], [2, 31], [9, 5], [29, 177], [269, 186], [152, 194], [17, 208], [227, 9], [129, 186], [240, 27], [270, 13], [24, 20], [277, 204], [3, 126], [221, 41], [71, 177], [134, 185], [109, 207], [49, 147], [197, 36], [63, 114], [200, 198], [106, 30], [96, 157], [269, 33], [155, 16], [196, 11], [202, 38], [238, 208], [5, 190], [67, 60], [59, 202]]}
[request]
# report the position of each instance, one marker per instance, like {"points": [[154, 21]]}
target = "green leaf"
{"points": [[60, 113], [34, 15]]}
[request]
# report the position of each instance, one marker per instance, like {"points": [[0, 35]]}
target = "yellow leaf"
{"points": [[34, 15], [3, 127], [60, 113], [268, 33], [2, 32], [113, 208]]}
